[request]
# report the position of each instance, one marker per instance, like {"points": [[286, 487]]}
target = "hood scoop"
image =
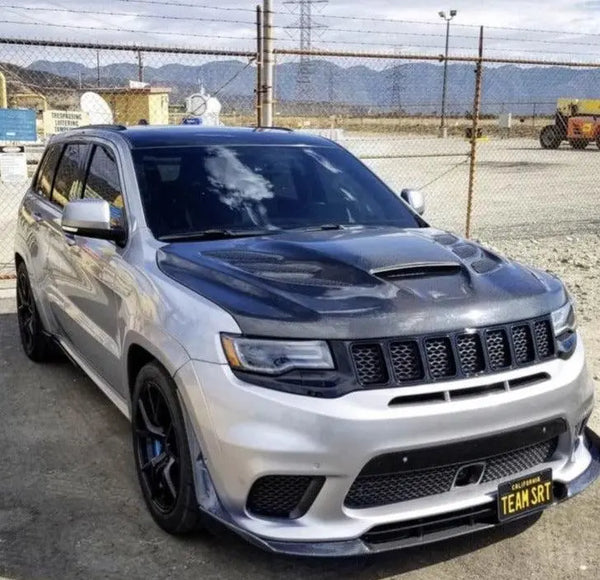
{"points": [[413, 271]]}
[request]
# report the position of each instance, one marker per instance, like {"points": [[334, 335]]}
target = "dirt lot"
{"points": [[70, 505]]}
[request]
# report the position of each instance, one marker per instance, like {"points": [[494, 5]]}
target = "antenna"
{"points": [[305, 24]]}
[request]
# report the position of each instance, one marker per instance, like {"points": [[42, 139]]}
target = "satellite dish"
{"points": [[196, 104], [98, 110]]}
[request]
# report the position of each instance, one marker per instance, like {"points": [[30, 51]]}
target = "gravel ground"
{"points": [[576, 260]]}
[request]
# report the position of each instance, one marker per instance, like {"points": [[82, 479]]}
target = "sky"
{"points": [[571, 27]]}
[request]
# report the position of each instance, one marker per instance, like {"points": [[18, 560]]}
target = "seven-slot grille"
{"points": [[458, 355]]}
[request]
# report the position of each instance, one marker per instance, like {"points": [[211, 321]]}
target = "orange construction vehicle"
{"points": [[576, 121]]}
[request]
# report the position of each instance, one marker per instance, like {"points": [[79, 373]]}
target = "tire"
{"points": [[35, 342], [579, 143], [161, 452], [550, 137]]}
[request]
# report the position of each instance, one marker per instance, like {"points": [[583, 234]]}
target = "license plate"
{"points": [[525, 495]]}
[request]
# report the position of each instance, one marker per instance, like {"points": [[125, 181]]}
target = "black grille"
{"points": [[470, 354], [498, 349], [281, 495], [523, 344], [440, 358], [516, 461], [455, 355], [406, 361], [543, 338], [375, 490], [369, 363]]}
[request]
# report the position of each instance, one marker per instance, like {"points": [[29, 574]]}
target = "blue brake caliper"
{"points": [[156, 447]]}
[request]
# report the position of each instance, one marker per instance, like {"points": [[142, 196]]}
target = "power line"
{"points": [[136, 15], [96, 29], [187, 5]]}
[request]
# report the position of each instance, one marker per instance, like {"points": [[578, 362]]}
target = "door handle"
{"points": [[37, 216]]}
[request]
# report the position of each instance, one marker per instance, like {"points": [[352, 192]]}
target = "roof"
{"points": [[189, 135], [133, 91]]}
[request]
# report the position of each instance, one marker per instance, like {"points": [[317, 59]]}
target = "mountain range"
{"points": [[412, 87]]}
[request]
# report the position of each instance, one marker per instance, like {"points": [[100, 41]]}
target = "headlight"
{"points": [[563, 319], [274, 357]]}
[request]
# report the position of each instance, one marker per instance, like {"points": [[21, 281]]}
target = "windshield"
{"points": [[251, 188]]}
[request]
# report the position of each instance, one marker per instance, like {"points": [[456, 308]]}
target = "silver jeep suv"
{"points": [[302, 357]]}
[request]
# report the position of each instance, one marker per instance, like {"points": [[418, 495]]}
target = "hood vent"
{"points": [[418, 271]]}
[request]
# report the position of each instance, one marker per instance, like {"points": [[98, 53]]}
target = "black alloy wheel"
{"points": [[158, 453], [36, 344], [161, 451]]}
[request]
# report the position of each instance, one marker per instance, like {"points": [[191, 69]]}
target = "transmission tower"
{"points": [[395, 83], [306, 25]]}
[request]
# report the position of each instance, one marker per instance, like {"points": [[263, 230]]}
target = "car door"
{"points": [[35, 215], [66, 186], [99, 278]]}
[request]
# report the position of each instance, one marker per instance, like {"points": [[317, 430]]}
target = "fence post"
{"points": [[140, 66], [475, 128], [259, 65], [267, 103]]}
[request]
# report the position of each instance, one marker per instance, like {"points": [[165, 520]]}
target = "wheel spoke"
{"points": [[148, 424], [153, 407], [155, 462], [166, 477]]}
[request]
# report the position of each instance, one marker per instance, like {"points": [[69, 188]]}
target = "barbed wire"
{"points": [[136, 15], [130, 30], [189, 5]]}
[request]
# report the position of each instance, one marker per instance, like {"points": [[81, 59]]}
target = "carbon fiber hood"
{"points": [[360, 283]]}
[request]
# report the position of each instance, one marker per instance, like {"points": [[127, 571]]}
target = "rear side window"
{"points": [[103, 182], [68, 181], [45, 176]]}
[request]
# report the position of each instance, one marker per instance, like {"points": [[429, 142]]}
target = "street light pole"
{"points": [[447, 18]]}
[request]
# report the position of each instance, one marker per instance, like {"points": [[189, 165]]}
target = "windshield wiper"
{"points": [[214, 234], [321, 227]]}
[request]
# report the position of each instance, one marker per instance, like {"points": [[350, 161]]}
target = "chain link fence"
{"points": [[68, 85], [384, 107]]}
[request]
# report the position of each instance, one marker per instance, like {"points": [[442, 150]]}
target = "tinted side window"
{"points": [[103, 182], [47, 168], [67, 184]]}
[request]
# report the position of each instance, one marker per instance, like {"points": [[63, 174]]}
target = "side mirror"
{"points": [[90, 218], [415, 199]]}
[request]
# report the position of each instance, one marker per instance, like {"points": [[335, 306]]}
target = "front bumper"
{"points": [[456, 525], [247, 432]]}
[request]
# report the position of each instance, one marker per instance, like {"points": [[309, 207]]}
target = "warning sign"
{"points": [[61, 121], [13, 164]]}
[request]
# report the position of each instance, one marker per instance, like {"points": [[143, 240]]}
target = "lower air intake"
{"points": [[283, 496]]}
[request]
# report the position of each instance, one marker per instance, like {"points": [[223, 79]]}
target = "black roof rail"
{"points": [[104, 126], [261, 128]]}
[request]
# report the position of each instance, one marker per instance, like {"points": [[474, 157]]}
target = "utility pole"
{"points": [[474, 131], [259, 65], [267, 108], [447, 18], [98, 68]]}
